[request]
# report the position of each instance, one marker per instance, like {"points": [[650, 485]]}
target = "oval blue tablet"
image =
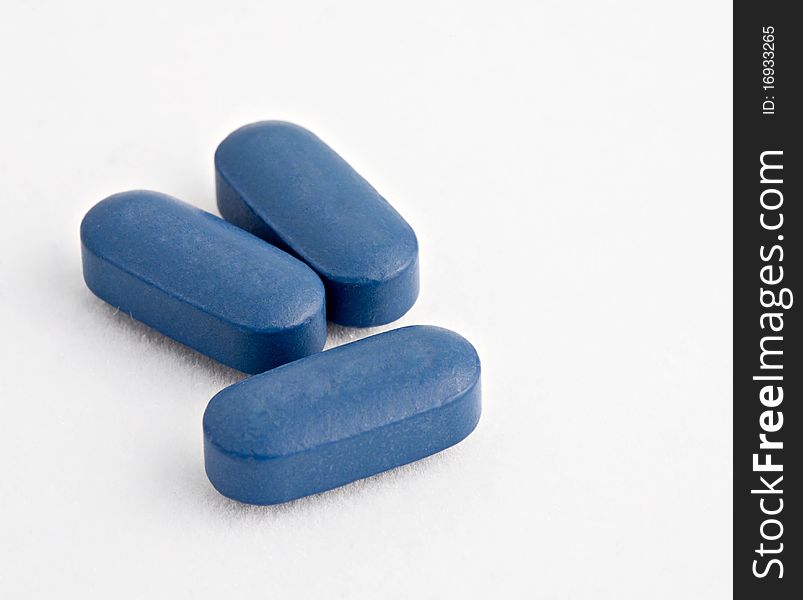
{"points": [[347, 413], [202, 281], [282, 183]]}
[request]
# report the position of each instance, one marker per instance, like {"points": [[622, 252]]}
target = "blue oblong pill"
{"points": [[202, 281], [347, 413], [280, 182]]}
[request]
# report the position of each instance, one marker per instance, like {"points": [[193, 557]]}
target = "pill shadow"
{"points": [[337, 335]]}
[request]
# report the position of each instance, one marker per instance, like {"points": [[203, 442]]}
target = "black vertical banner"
{"points": [[768, 269]]}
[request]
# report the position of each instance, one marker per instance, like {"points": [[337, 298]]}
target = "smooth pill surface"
{"points": [[282, 183], [202, 281], [341, 415]]}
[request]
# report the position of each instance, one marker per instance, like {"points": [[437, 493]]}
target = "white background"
{"points": [[566, 167]]}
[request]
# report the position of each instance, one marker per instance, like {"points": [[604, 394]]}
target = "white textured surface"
{"points": [[566, 167]]}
